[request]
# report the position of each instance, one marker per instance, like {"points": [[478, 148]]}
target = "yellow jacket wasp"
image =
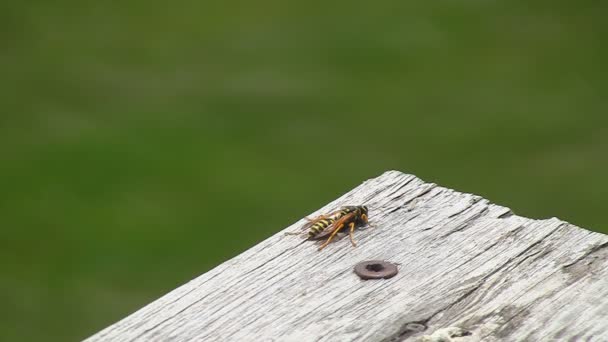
{"points": [[332, 223]]}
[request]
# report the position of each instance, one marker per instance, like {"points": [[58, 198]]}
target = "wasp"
{"points": [[332, 223]]}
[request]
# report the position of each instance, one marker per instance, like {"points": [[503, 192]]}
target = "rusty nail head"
{"points": [[375, 269]]}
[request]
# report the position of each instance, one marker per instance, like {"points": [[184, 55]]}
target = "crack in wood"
{"points": [[593, 250], [469, 221], [407, 204], [506, 215]]}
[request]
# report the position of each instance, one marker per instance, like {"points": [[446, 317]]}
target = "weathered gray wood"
{"points": [[464, 263]]}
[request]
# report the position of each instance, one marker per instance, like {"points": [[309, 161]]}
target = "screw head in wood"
{"points": [[375, 269]]}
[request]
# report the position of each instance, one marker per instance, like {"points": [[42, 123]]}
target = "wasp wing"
{"points": [[337, 225]]}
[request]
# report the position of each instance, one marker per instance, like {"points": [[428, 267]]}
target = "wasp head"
{"points": [[363, 213]]}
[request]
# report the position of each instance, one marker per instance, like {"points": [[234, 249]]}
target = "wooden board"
{"points": [[466, 267]]}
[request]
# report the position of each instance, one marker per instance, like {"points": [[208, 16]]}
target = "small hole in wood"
{"points": [[375, 267]]}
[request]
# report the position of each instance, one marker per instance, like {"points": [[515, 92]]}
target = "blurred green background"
{"points": [[143, 143]]}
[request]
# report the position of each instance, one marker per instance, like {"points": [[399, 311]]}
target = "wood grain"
{"points": [[464, 264]]}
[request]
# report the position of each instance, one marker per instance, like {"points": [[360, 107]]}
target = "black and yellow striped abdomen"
{"points": [[327, 221], [320, 226]]}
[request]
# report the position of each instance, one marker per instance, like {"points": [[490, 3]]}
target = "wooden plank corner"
{"points": [[468, 270]]}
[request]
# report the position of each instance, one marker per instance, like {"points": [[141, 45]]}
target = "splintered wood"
{"points": [[469, 270]]}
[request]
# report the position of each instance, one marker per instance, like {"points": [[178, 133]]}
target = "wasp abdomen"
{"points": [[320, 226]]}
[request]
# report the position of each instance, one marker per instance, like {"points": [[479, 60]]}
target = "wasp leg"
{"points": [[352, 229], [331, 237], [365, 219]]}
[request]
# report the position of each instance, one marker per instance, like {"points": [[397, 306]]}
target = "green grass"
{"points": [[144, 143]]}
